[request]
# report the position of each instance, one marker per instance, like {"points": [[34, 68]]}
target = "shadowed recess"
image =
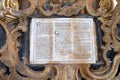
{"points": [[118, 30], [37, 67], [25, 3], [2, 37]]}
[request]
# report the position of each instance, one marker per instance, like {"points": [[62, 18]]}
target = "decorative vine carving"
{"points": [[14, 22]]}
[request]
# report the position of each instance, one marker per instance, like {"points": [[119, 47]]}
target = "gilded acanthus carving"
{"points": [[14, 22]]}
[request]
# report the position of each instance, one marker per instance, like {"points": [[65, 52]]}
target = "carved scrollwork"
{"points": [[103, 6], [60, 7], [14, 22]]}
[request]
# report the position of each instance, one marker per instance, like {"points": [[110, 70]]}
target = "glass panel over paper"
{"points": [[62, 40]]}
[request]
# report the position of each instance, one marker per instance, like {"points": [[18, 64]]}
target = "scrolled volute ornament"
{"points": [[9, 10], [5, 9], [103, 6]]}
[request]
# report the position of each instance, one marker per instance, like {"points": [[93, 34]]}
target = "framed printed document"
{"points": [[59, 39], [62, 40]]}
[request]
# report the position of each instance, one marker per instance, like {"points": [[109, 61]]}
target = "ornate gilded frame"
{"points": [[14, 21]]}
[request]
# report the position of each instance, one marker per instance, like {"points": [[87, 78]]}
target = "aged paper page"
{"points": [[62, 40]]}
